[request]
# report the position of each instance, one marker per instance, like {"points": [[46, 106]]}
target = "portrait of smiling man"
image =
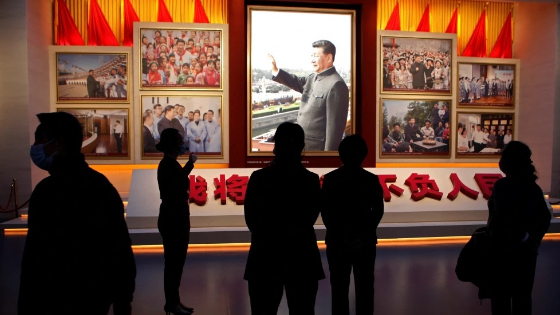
{"points": [[324, 100]]}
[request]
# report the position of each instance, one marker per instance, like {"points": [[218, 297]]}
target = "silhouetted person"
{"points": [[78, 257], [174, 222], [352, 201], [281, 206], [91, 84], [518, 220]]}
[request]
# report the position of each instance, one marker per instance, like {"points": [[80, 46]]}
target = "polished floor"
{"points": [[410, 279]]}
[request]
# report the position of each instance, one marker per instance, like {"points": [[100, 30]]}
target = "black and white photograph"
{"points": [[197, 118], [413, 65], [413, 128], [181, 59], [304, 77], [483, 134], [106, 133], [92, 77], [486, 85]]}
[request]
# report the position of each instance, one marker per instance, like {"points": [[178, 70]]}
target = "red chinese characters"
{"points": [[422, 186], [234, 187], [198, 188], [383, 180], [458, 186], [486, 182]]}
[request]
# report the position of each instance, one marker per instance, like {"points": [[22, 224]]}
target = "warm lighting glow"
{"points": [[436, 165], [546, 197], [15, 231], [24, 216], [131, 167]]}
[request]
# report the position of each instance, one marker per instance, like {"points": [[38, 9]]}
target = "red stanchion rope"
{"points": [[9, 201]]}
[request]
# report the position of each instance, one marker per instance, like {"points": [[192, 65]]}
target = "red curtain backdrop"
{"points": [[99, 31], [163, 14], [394, 23], [504, 43], [130, 17], [424, 25], [476, 47], [67, 33], [199, 13], [452, 27]]}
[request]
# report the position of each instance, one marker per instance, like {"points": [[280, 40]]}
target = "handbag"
{"points": [[474, 262]]}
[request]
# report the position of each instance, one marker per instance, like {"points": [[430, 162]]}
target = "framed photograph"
{"points": [[483, 134], [181, 58], [106, 132], [412, 128], [197, 117], [93, 77], [305, 77], [487, 83], [417, 63]]}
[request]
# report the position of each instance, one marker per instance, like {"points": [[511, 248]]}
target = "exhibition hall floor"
{"points": [[412, 279]]}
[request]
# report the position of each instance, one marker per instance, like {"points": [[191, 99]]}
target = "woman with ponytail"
{"points": [[518, 220]]}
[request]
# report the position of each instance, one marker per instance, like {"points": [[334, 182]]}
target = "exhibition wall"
{"points": [[25, 90]]}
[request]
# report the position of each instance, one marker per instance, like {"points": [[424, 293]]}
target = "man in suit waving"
{"points": [[324, 99]]}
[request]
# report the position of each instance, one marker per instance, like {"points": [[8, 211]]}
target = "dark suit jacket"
{"points": [[149, 142], [412, 133], [165, 123], [352, 205], [281, 206], [324, 107], [418, 75], [91, 84]]}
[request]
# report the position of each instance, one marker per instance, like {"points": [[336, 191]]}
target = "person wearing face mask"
{"points": [[174, 221], [77, 256]]}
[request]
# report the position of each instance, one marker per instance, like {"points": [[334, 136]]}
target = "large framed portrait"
{"points": [[181, 58], [412, 128], [92, 77], [416, 64], [198, 118], [106, 132], [483, 134], [314, 84], [487, 83]]}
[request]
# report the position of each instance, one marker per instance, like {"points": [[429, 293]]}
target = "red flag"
{"points": [[452, 27], [130, 17], [99, 31], [163, 14], [476, 47], [424, 25], [503, 46], [199, 13], [394, 23], [67, 33]]}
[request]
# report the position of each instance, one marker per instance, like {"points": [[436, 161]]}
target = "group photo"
{"points": [[105, 132], [415, 127], [486, 85], [198, 119], [92, 77], [180, 58], [282, 77], [483, 134], [416, 65]]}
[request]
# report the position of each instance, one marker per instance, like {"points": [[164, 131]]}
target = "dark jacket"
{"points": [[148, 141], [165, 123], [324, 107], [353, 205], [77, 247], [418, 75], [412, 132], [92, 85], [281, 206], [515, 208]]}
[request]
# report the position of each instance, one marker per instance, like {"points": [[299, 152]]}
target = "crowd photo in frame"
{"points": [[105, 130], [483, 134], [92, 77], [416, 64], [315, 78], [185, 59], [198, 118], [486, 85], [411, 128]]}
